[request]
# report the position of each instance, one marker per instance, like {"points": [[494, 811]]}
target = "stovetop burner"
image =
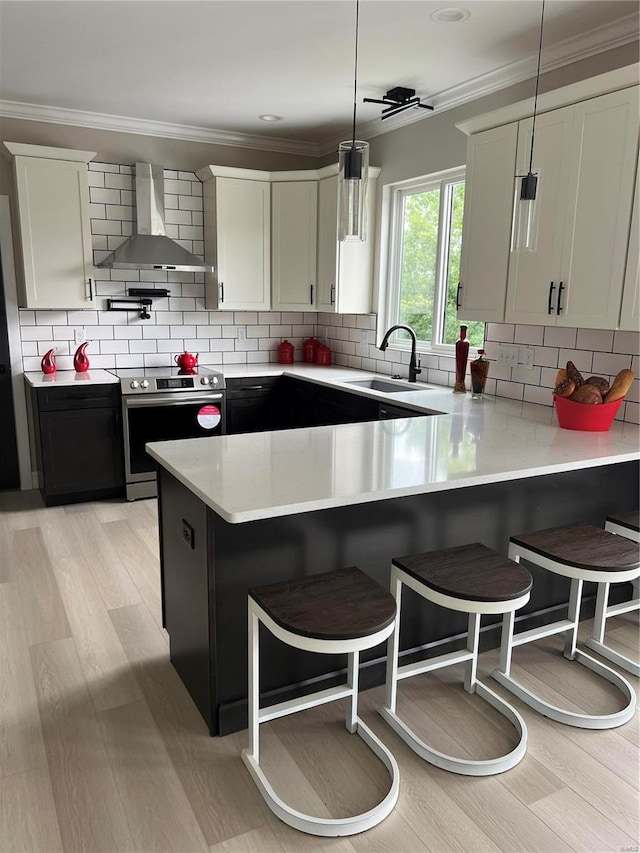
{"points": [[140, 380]]}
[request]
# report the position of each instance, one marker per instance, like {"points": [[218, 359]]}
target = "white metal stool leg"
{"points": [[466, 767], [568, 627], [603, 611], [251, 756]]}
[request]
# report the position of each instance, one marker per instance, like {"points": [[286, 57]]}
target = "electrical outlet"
{"points": [[187, 534], [242, 333], [79, 336], [526, 357], [508, 355]]}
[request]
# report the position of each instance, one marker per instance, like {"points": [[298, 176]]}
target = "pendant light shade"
{"points": [[353, 173], [353, 182], [524, 233]]}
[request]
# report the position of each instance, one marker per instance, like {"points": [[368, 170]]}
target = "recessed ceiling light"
{"points": [[450, 15], [270, 117]]}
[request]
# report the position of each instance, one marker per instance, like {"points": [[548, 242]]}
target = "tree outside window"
{"points": [[425, 249]]}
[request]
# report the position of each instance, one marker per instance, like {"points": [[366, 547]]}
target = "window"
{"points": [[426, 238]]}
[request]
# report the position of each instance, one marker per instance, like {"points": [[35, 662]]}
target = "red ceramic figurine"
{"points": [[48, 363], [80, 360]]}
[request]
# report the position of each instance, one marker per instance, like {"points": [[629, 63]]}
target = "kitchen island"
{"points": [[241, 510]]}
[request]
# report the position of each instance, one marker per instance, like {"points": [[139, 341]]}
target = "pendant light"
{"points": [[353, 173], [525, 221]]}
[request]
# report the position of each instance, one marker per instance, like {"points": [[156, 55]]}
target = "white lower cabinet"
{"points": [[55, 226], [237, 229], [345, 269], [294, 212]]}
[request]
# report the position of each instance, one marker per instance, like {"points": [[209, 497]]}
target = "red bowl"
{"points": [[584, 417]]}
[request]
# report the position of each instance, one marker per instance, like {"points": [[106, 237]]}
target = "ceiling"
{"points": [[207, 69]]}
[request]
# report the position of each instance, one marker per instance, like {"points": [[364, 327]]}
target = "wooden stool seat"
{"points": [[475, 580], [626, 527], [468, 572], [581, 553], [338, 605], [338, 612], [586, 548]]}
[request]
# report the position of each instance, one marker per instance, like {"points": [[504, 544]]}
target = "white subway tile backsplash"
{"points": [[530, 335], [546, 356], [177, 187], [595, 339], [114, 347], [626, 342], [97, 195], [104, 167], [106, 226], [119, 211], [119, 181], [535, 394], [190, 202], [143, 346], [583, 359], [610, 363], [96, 179], [36, 333], [178, 303], [556, 336], [512, 390], [503, 332], [149, 332]]}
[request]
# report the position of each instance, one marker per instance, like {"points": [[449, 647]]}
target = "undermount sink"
{"points": [[386, 386]]}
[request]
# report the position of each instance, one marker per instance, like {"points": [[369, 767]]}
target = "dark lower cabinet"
{"points": [[253, 404], [79, 444]]}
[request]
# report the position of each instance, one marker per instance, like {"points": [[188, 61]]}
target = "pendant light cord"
{"points": [[355, 76], [535, 100]]}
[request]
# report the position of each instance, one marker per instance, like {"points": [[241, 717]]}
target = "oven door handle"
{"points": [[161, 400]]}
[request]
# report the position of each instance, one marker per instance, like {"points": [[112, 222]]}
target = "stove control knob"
{"points": [[134, 384], [215, 380], [144, 383], [204, 380]]}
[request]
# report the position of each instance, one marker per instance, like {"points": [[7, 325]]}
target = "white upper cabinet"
{"points": [[630, 313], [534, 277], [294, 212], [55, 226], [237, 231], [586, 155], [486, 231], [345, 269]]}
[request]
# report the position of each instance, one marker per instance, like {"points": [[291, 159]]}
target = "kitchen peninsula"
{"points": [[241, 510]]}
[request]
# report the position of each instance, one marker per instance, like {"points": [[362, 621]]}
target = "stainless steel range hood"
{"points": [[150, 248]]}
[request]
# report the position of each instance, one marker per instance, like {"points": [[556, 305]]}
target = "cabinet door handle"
{"points": [[333, 294], [310, 294], [552, 287], [458, 297], [221, 291], [560, 289], [89, 298]]}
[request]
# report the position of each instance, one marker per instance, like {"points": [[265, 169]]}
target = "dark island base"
{"points": [[208, 565]]}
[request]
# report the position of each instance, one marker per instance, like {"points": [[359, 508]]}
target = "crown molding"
{"points": [[607, 37], [147, 127]]}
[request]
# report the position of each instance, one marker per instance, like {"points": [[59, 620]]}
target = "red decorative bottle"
{"points": [[462, 353], [80, 360], [48, 363]]}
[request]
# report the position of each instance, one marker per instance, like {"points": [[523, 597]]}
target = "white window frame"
{"points": [[396, 193]]}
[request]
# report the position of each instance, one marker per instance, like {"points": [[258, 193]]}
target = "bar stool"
{"points": [[628, 526], [581, 553], [475, 580], [338, 612]]}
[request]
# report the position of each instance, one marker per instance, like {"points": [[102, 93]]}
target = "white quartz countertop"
{"points": [[263, 475], [70, 377]]}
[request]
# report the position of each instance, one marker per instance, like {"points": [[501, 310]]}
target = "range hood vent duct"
{"points": [[150, 248]]}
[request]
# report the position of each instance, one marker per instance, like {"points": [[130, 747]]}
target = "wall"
{"points": [[352, 339], [178, 321]]}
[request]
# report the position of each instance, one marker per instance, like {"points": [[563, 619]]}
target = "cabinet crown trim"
{"points": [[206, 173], [20, 149], [592, 87]]}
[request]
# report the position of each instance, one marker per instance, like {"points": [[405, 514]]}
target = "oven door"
{"points": [[164, 417]]}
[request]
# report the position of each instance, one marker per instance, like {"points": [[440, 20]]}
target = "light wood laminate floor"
{"points": [[101, 748]]}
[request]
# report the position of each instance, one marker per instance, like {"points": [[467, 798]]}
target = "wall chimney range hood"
{"points": [[150, 248]]}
